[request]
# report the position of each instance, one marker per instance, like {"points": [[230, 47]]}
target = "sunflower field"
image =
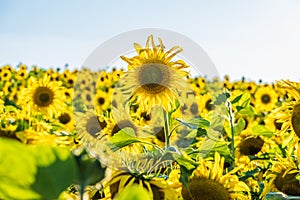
{"points": [[150, 131]]}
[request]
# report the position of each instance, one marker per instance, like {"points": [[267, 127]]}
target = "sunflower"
{"points": [[282, 177], [265, 98], [208, 182], [30, 136], [143, 171], [190, 104], [153, 78], [289, 114], [206, 104], [90, 126], [250, 145], [66, 119], [5, 74], [102, 100], [43, 97], [119, 119], [21, 74]]}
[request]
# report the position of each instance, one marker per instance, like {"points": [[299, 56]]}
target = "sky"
{"points": [[255, 39]]}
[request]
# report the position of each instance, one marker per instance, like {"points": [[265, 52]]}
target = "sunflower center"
{"points": [[296, 119], [194, 109], [205, 189], [153, 77], [251, 146], [101, 100], [265, 98], [288, 184], [64, 118], [208, 105], [122, 124], [277, 125], [43, 96], [94, 126]]}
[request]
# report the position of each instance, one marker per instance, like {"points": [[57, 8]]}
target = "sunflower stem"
{"points": [[231, 119], [166, 120]]}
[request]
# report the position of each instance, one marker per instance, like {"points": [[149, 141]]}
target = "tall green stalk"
{"points": [[231, 121], [166, 128]]}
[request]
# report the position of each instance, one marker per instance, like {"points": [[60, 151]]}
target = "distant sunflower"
{"points": [[66, 119], [90, 126], [289, 114], [208, 182], [265, 98], [5, 75], [30, 136], [43, 97], [206, 104], [102, 100], [152, 77]]}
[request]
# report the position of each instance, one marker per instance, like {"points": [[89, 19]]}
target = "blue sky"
{"points": [[258, 39]]}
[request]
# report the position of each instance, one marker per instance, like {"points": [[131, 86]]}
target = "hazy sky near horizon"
{"points": [[257, 39]]}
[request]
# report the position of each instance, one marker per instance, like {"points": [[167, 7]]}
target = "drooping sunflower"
{"points": [[43, 97], [153, 78], [289, 114], [145, 172], [249, 145], [282, 177], [208, 183]]}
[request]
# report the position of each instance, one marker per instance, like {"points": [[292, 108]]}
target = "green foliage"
{"points": [[90, 170], [262, 130], [124, 137], [242, 105], [195, 123], [134, 192], [34, 172], [222, 98], [239, 127]]}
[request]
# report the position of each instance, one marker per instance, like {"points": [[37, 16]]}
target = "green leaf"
{"points": [[236, 99], [280, 196], [243, 101], [56, 171], [34, 172], [124, 137], [134, 192], [240, 126], [222, 98], [22, 125], [10, 108], [188, 163], [90, 170], [195, 123], [262, 130], [246, 111], [184, 177], [17, 171]]}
